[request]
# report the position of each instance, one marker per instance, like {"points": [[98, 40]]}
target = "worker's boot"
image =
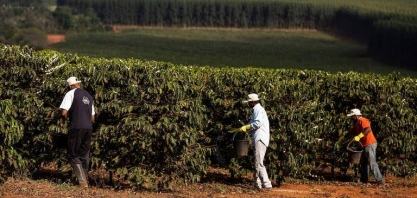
{"points": [[80, 175]]}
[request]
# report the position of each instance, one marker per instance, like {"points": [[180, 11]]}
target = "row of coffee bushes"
{"points": [[159, 124], [147, 130]]}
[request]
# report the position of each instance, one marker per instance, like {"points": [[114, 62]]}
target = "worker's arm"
{"points": [[64, 113]]}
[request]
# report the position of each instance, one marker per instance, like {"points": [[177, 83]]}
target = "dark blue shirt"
{"points": [[80, 106]]}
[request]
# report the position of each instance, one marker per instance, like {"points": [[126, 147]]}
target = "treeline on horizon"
{"points": [[390, 37]]}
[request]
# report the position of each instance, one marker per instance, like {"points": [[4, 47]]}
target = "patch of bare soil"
{"points": [[55, 38], [218, 183]]}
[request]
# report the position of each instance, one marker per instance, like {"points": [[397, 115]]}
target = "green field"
{"points": [[301, 49]]}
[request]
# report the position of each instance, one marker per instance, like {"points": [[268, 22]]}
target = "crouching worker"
{"points": [[362, 131], [78, 106]]}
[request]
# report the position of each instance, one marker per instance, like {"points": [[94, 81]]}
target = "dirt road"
{"points": [[43, 188]]}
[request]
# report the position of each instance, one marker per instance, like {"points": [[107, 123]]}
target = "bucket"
{"points": [[354, 152], [241, 146], [59, 140]]}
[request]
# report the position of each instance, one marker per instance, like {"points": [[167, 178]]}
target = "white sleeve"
{"points": [[67, 102]]}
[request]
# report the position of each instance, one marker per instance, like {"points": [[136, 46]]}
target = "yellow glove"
{"points": [[358, 137], [245, 128], [234, 130]]}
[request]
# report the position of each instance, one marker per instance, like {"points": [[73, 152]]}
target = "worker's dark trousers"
{"points": [[79, 142]]}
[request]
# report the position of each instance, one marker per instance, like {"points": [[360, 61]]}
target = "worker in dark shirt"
{"points": [[78, 106]]}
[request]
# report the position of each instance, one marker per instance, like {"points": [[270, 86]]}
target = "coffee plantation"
{"points": [[159, 124]]}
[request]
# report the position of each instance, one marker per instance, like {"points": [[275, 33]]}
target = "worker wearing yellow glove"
{"points": [[358, 137], [245, 128], [362, 132], [258, 126]]}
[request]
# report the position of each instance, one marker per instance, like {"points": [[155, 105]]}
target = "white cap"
{"points": [[252, 97], [72, 80], [354, 112]]}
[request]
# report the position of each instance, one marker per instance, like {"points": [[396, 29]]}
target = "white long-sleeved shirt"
{"points": [[260, 125]]}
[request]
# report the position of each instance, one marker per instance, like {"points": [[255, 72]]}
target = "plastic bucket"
{"points": [[354, 152], [59, 140], [241, 146]]}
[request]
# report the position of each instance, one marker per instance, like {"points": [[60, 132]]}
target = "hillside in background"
{"points": [[388, 30], [220, 47], [25, 22]]}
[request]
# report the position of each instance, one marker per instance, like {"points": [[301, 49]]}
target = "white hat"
{"points": [[72, 80], [252, 97], [354, 112]]}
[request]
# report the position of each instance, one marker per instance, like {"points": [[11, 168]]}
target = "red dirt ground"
{"points": [[219, 184], [55, 38]]}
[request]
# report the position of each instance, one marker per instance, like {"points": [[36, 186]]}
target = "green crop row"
{"points": [[159, 124]]}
